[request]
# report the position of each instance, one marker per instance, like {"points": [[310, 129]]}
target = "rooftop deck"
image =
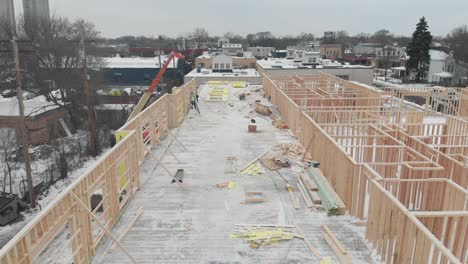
{"points": [[192, 222]]}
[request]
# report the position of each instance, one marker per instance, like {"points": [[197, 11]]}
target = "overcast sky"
{"points": [[282, 17]]}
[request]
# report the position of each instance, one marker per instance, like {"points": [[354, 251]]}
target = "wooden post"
{"points": [[103, 227]]}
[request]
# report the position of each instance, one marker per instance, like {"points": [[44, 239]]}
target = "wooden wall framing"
{"points": [[401, 167], [115, 176]]}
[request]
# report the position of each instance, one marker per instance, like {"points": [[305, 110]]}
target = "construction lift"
{"points": [[147, 95]]}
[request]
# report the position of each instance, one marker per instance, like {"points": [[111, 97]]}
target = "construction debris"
{"points": [[253, 161], [229, 184], [253, 200], [263, 109], [293, 150], [262, 235], [253, 169], [253, 193], [340, 251], [278, 123], [294, 201], [330, 199], [274, 161]]}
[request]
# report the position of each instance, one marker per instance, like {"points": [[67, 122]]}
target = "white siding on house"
{"points": [[222, 62]]}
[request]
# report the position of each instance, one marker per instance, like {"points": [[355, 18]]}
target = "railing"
{"points": [[99, 196]]}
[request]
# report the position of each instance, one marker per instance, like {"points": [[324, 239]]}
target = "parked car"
{"points": [[130, 91], [116, 92]]}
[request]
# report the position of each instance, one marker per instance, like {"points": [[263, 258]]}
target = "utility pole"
{"points": [[24, 131], [92, 129]]}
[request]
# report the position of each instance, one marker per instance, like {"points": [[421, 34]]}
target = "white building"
{"points": [[290, 54], [441, 67], [35, 10], [260, 52], [311, 57], [7, 17], [298, 55], [222, 41], [222, 63], [232, 49]]}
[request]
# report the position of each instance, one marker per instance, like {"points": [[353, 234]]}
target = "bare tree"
{"points": [[54, 69], [8, 165], [458, 41], [200, 36]]}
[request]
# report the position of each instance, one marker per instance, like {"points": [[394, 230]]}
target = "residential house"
{"points": [[331, 51], [311, 57], [207, 61], [366, 48], [390, 56], [260, 52], [232, 49], [222, 63], [222, 41], [41, 117], [441, 67]]}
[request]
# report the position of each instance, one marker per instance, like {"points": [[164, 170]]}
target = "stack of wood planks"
{"points": [[327, 195], [308, 190]]}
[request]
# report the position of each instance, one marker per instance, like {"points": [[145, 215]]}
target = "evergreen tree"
{"points": [[418, 49]]}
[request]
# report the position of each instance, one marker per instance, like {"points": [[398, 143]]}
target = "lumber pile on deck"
{"points": [[329, 198], [258, 235]]}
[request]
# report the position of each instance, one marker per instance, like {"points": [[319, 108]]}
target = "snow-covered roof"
{"points": [[232, 45], [33, 107], [443, 75], [438, 55], [135, 62], [235, 73]]}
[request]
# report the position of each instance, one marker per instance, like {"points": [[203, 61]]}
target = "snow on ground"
{"points": [[9, 231]]}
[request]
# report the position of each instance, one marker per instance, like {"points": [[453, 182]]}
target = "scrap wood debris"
{"points": [[253, 169], [293, 150], [279, 123], [229, 184], [275, 161], [262, 109], [264, 234]]}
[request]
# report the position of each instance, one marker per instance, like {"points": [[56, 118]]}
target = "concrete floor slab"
{"points": [[191, 222]]}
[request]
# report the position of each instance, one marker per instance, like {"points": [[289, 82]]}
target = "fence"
{"points": [[98, 197]]}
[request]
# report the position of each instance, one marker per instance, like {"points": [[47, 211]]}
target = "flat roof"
{"points": [[283, 63], [135, 62], [234, 73], [33, 107]]}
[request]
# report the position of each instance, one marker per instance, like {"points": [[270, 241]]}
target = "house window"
{"points": [[222, 65], [216, 66], [314, 59], [228, 65]]}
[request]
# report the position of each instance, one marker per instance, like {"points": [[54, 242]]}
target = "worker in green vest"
{"points": [[194, 100]]}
